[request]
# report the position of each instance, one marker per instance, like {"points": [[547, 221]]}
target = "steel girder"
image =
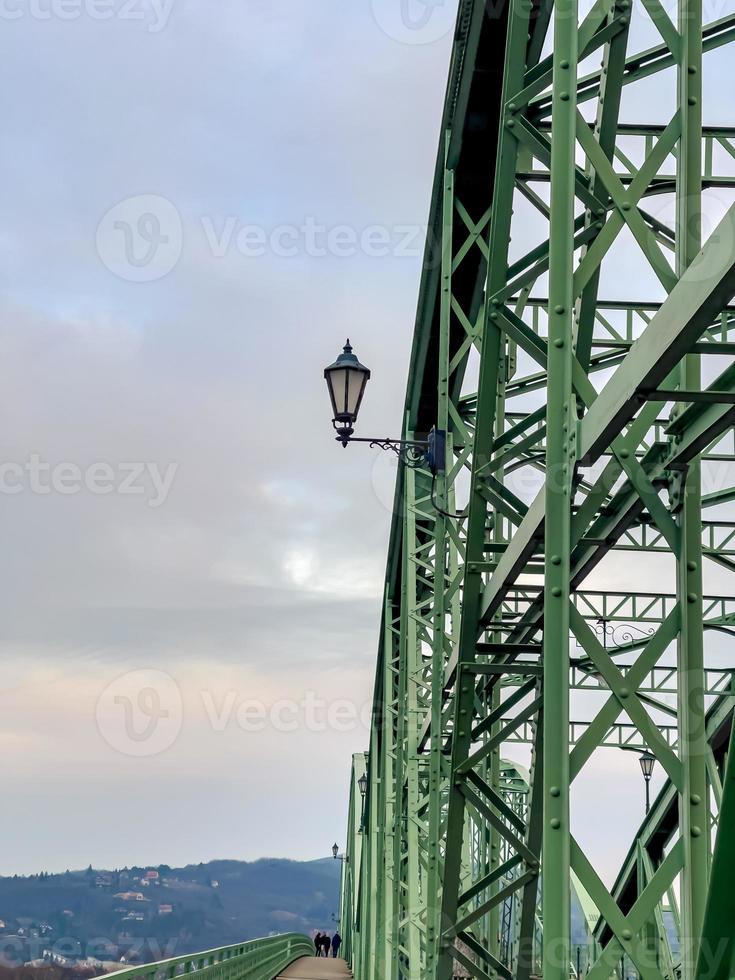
{"points": [[581, 428]]}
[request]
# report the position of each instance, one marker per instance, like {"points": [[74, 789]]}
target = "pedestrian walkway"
{"points": [[316, 968]]}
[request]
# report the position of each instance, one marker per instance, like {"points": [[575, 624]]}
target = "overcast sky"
{"points": [[250, 566], [200, 203]]}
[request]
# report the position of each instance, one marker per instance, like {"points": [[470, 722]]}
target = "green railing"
{"points": [[261, 959]]}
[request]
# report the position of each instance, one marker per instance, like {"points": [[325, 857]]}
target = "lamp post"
{"points": [[346, 381], [339, 857], [362, 784], [647, 761]]}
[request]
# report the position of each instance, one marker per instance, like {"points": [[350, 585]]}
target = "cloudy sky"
{"points": [[199, 206], [259, 145]]}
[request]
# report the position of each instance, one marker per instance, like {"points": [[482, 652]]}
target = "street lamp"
{"points": [[647, 761], [337, 856], [362, 784], [346, 381]]}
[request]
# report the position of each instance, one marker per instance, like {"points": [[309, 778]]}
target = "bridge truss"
{"points": [[574, 339]]}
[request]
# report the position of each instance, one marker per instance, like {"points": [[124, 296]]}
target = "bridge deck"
{"points": [[313, 968]]}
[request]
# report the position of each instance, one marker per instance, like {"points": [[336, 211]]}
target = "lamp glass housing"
{"points": [[647, 761], [335, 851], [362, 784], [346, 381]]}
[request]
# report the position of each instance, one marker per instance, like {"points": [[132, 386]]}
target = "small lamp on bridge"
{"points": [[362, 784], [648, 761], [346, 381], [337, 856]]}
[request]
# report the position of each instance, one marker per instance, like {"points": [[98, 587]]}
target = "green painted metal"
{"points": [[260, 959], [716, 953], [585, 431]]}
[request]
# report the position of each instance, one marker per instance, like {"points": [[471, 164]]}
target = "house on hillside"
{"points": [[132, 897]]}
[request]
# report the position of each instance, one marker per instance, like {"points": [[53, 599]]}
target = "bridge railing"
{"points": [[260, 959]]}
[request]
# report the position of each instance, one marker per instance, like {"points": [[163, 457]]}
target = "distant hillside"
{"points": [[147, 913]]}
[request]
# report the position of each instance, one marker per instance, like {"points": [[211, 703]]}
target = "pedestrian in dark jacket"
{"points": [[336, 943], [318, 944], [326, 943]]}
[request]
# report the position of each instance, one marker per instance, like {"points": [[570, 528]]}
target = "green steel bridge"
{"points": [[559, 586]]}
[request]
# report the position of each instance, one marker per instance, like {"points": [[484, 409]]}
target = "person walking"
{"points": [[326, 943], [318, 944], [336, 943]]}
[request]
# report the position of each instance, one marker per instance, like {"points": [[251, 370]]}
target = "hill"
{"points": [[148, 913]]}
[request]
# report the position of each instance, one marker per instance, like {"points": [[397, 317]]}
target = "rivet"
{"points": [[555, 823], [626, 934], [564, 96], [511, 123], [692, 70], [692, 597], [558, 308], [625, 205], [555, 560], [692, 566], [624, 454], [564, 64], [511, 106], [624, 692], [556, 591], [558, 342], [625, 19], [696, 799], [692, 100], [696, 832], [555, 791]]}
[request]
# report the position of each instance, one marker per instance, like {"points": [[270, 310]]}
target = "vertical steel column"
{"points": [[374, 831], [408, 711], [345, 906], [491, 359], [439, 611], [390, 886], [561, 422], [491, 839], [693, 802]]}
